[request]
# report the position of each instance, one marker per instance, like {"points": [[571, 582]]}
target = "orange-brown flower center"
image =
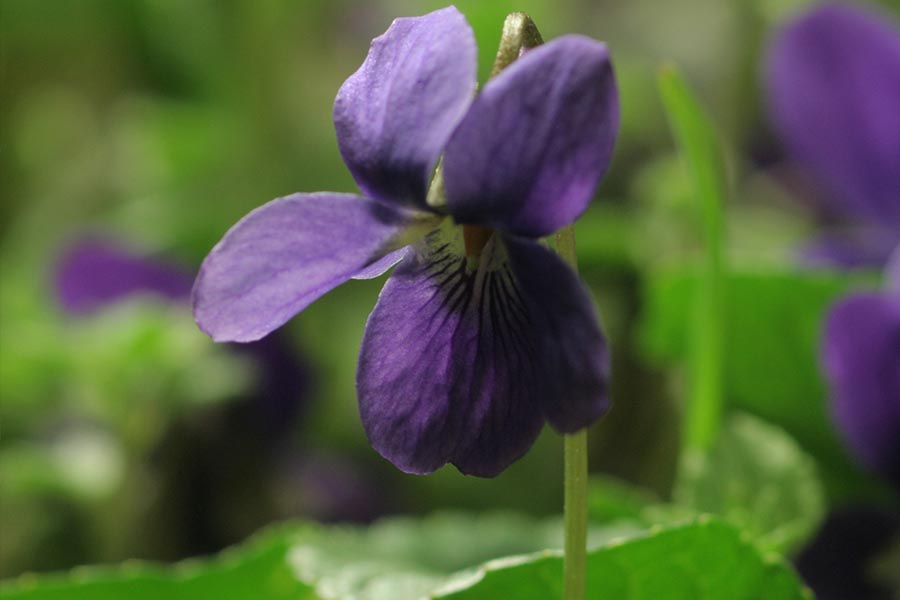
{"points": [[475, 238]]}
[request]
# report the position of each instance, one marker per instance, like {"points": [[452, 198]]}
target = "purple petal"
{"points": [[382, 265], [459, 365], [573, 354], [892, 275], [531, 150], [395, 114], [446, 368], [862, 361], [92, 273], [868, 247], [284, 255], [834, 85]]}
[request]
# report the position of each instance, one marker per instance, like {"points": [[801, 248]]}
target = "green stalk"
{"points": [[576, 475], [575, 515], [520, 33], [701, 153]]}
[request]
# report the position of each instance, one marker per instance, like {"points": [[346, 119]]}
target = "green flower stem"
{"points": [[520, 33], [576, 474], [575, 515]]}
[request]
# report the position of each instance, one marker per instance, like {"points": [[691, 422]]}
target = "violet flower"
{"points": [[94, 273], [861, 357], [833, 79], [482, 333]]}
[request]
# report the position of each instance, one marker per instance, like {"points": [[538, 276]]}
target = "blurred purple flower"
{"points": [[330, 488], [481, 334], [833, 79], [861, 356], [850, 249], [93, 273], [213, 453]]}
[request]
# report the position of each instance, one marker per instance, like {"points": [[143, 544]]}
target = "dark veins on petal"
{"points": [[448, 367]]}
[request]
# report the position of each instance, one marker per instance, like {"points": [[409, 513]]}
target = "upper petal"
{"points": [[833, 79], [572, 352], [394, 115], [285, 254], [861, 355], [529, 153]]}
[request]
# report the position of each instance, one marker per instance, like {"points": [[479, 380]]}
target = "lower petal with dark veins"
{"points": [[455, 364]]}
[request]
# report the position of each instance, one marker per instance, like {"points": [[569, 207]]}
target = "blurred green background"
{"points": [[159, 123]]}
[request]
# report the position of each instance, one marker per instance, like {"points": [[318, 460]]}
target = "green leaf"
{"points": [[393, 559], [404, 558], [407, 559], [774, 323], [615, 503], [257, 570], [757, 478], [611, 499], [703, 560], [700, 151]]}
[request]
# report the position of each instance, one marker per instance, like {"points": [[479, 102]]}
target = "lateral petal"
{"points": [[573, 354], [287, 253]]}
